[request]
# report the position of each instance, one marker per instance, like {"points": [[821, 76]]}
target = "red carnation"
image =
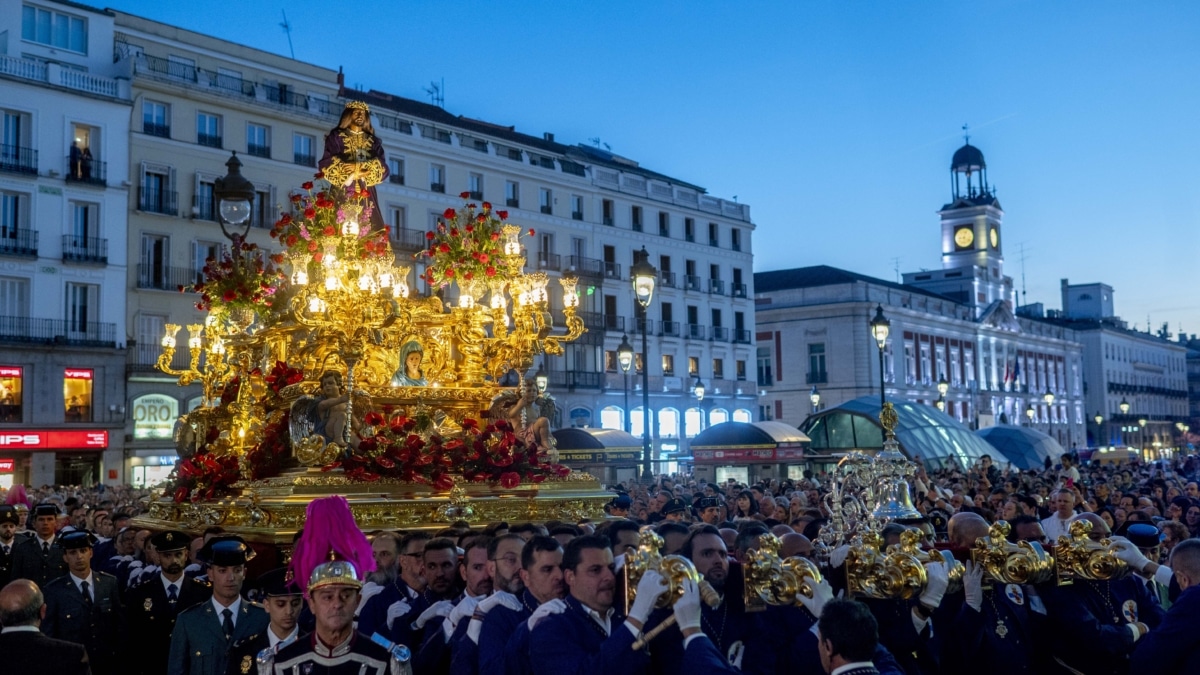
{"points": [[310, 213], [510, 480], [531, 231], [429, 235], [454, 232], [487, 206], [483, 258], [328, 231], [468, 276], [449, 214], [490, 271], [307, 185], [318, 256], [495, 236], [229, 296], [469, 227], [443, 482], [464, 195], [450, 273], [502, 214], [296, 199], [444, 248], [312, 246]]}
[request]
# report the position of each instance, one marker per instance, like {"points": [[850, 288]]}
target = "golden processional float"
{"points": [[323, 373]]}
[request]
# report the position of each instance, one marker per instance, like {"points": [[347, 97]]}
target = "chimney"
{"points": [[548, 136]]}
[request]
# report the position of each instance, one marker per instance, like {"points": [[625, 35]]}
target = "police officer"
{"points": [[204, 633], [675, 510], [709, 510], [152, 607], [37, 558], [9, 520], [84, 606], [282, 598]]}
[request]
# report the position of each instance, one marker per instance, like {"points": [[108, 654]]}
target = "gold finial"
{"points": [[889, 419], [359, 105]]}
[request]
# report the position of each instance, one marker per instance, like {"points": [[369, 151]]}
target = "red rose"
{"points": [[495, 236], [230, 295], [312, 246], [310, 213], [483, 258], [450, 273], [444, 248], [531, 231], [443, 482], [487, 206], [509, 480], [449, 214], [454, 232], [295, 199], [328, 231], [307, 185], [481, 218], [469, 227], [503, 215], [468, 276], [291, 240], [429, 235], [318, 256], [464, 195], [490, 271], [319, 175]]}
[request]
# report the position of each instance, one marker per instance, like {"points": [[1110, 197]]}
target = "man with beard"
{"points": [[588, 636], [503, 567], [504, 633], [8, 538], [37, 558], [283, 600], [151, 608], [385, 550], [380, 613], [439, 639], [439, 564], [83, 606], [204, 632], [709, 509]]}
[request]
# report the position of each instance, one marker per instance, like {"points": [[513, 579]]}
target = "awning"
{"points": [[748, 442], [1023, 447], [596, 446]]}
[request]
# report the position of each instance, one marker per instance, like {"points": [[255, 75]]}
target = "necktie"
{"points": [[172, 596], [45, 548], [87, 594], [227, 622]]}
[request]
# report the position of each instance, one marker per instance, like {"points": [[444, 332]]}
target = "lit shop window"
{"points": [[77, 394], [11, 390]]}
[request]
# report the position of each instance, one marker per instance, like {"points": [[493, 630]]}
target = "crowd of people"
{"points": [[86, 591]]}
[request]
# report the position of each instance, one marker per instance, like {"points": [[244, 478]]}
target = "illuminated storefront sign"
{"points": [[8, 465], [53, 440], [154, 416]]}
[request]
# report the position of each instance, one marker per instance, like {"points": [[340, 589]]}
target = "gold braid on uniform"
{"points": [[356, 144]]}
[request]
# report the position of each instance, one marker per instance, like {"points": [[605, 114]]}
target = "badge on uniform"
{"points": [[1014, 594], [246, 663], [1129, 611], [147, 604]]}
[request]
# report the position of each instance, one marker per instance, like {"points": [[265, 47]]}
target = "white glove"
{"points": [[135, 564], [1126, 551], [687, 607], [839, 555], [822, 594], [649, 589], [441, 608], [937, 578], [973, 586], [397, 609], [498, 598], [464, 609], [194, 567], [369, 590], [544, 610]]}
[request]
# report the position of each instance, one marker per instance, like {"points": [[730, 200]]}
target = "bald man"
{"points": [[1095, 625], [23, 647], [794, 545]]}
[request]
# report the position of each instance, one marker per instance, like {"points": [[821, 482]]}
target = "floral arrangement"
{"points": [[469, 245], [401, 448], [244, 278], [204, 476], [319, 226]]}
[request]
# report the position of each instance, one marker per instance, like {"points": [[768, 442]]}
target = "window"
{"points": [[14, 144], [84, 228], [204, 206], [718, 369], [606, 208], [638, 362], [712, 235], [816, 362], [202, 252], [258, 140], [83, 309], [12, 216], [735, 238], [263, 211], [576, 207], [302, 150], [397, 218], [14, 297], [546, 200], [910, 363], [740, 366], [926, 364], [668, 364], [54, 29], [512, 193], [11, 394], [610, 361], [208, 129], [153, 268], [396, 170], [475, 185], [635, 218], [694, 366], [158, 190], [664, 224], [77, 394], [156, 119], [765, 378], [689, 229], [437, 178]]}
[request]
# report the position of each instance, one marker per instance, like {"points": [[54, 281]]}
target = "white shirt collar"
{"points": [[20, 629], [218, 607], [79, 582], [852, 666], [43, 541], [167, 583], [604, 621], [273, 640]]}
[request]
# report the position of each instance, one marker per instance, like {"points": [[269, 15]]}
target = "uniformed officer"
{"points": [[152, 607], [8, 539], [282, 598], [205, 632], [675, 510], [84, 606], [37, 558]]}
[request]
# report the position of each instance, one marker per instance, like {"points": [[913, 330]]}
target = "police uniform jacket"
{"points": [[243, 655], [30, 562], [1089, 622], [1172, 648], [573, 643], [32, 653], [198, 644], [151, 619], [100, 628], [6, 562]]}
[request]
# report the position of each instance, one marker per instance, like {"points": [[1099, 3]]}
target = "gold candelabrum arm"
{"points": [[192, 372]]}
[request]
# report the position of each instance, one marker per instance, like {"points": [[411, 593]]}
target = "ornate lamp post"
{"points": [[942, 386], [1123, 406], [815, 397], [1142, 432], [1049, 399], [234, 194], [625, 360], [541, 379], [880, 327], [1030, 412], [644, 276], [1099, 429], [698, 390]]}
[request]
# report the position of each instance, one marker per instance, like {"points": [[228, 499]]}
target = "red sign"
{"points": [[7, 465], [77, 374], [53, 440], [10, 371]]}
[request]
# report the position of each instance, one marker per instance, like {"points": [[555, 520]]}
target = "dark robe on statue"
{"points": [[346, 151]]}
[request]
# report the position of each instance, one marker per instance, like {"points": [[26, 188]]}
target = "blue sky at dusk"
{"points": [[835, 121]]}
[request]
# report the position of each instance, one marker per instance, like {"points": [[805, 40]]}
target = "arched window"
{"points": [[691, 422], [636, 425], [742, 415], [717, 416], [612, 417], [668, 423]]}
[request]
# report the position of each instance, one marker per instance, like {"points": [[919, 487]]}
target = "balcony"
{"points": [[691, 283], [255, 150], [607, 220], [153, 129], [547, 209], [577, 215], [819, 377], [668, 328], [165, 278], [613, 322], [437, 187], [57, 331], [741, 336], [84, 249], [612, 270], [158, 201], [549, 261], [582, 266], [311, 161], [87, 172], [636, 227], [513, 202], [666, 279], [19, 241], [209, 140], [664, 232], [593, 321], [695, 331], [638, 325], [690, 237], [143, 358], [572, 380], [713, 242], [15, 159], [404, 239], [716, 286], [719, 334], [739, 290], [396, 178], [475, 194]]}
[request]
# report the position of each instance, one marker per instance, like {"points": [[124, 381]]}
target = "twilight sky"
{"points": [[835, 121]]}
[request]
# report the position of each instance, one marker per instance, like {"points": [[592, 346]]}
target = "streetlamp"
{"points": [[942, 386], [1142, 431], [815, 397], [541, 379], [1030, 412], [698, 390], [1124, 406], [643, 275], [1049, 399], [1099, 429], [234, 195], [880, 327], [625, 360]]}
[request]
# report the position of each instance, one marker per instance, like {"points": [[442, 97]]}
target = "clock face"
{"points": [[995, 237], [964, 237]]}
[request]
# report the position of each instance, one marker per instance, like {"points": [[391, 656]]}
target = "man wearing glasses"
{"points": [[385, 608]]}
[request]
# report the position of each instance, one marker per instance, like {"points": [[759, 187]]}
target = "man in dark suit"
{"points": [[283, 601], [1174, 647], [24, 648], [847, 634], [152, 607], [9, 520], [204, 633], [37, 558], [84, 606]]}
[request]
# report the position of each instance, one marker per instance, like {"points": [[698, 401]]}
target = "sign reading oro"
{"points": [[154, 416]]}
